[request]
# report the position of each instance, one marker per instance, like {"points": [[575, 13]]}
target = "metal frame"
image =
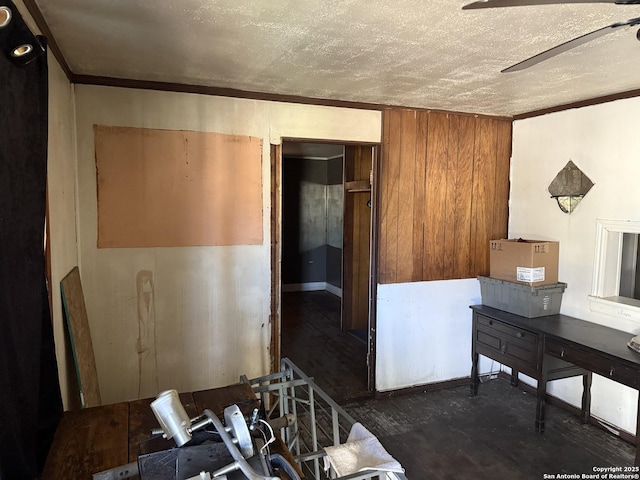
{"points": [[320, 421]]}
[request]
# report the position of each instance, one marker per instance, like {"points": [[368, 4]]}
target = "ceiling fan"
{"points": [[563, 47]]}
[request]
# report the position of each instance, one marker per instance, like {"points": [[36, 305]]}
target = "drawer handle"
{"points": [[562, 353], [519, 334], [611, 371], [503, 348], [490, 322]]}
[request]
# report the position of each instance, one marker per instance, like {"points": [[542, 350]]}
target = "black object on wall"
{"points": [[30, 401]]}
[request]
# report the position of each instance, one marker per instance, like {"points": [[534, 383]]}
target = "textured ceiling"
{"points": [[417, 53]]}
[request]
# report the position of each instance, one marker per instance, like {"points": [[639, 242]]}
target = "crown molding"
{"points": [[37, 16]]}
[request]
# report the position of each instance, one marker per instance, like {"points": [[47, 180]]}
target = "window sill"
{"points": [[620, 307]]}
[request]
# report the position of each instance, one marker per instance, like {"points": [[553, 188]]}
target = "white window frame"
{"points": [[604, 296]]}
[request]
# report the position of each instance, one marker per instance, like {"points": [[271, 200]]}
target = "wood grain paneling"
{"points": [[462, 200], [435, 192], [419, 194], [356, 240], [502, 186], [483, 193], [406, 175], [450, 203], [390, 205], [444, 192]]}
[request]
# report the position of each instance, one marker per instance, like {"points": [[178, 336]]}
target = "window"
{"points": [[616, 278], [629, 278]]}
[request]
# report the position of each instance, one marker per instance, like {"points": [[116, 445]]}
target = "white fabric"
{"points": [[362, 451]]}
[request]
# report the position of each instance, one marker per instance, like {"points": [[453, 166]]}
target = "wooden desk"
{"points": [[552, 347], [95, 439]]}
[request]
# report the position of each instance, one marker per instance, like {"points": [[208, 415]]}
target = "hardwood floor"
{"points": [[313, 340], [447, 434], [444, 434]]}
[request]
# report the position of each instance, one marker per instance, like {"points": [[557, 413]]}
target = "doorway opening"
{"points": [[323, 217]]}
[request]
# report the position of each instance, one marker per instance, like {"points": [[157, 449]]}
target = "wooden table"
{"points": [[94, 439], [551, 347]]}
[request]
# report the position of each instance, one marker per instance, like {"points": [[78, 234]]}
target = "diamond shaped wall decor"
{"points": [[569, 187]]}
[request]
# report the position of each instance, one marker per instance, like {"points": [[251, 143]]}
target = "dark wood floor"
{"points": [[313, 340], [448, 434], [445, 434]]}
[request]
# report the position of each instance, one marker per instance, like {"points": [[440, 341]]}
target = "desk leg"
{"points": [[586, 397], [540, 406], [637, 462], [475, 378], [515, 381]]}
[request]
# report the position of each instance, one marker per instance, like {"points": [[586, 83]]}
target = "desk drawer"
{"points": [[506, 344], [507, 330], [593, 362]]}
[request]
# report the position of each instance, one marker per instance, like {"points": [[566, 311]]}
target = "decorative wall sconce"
{"points": [[16, 40], [569, 187]]}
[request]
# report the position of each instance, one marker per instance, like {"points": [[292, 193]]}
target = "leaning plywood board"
{"points": [[75, 313], [169, 188]]}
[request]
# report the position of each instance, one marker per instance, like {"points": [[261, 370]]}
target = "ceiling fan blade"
{"points": [[563, 47], [522, 3]]}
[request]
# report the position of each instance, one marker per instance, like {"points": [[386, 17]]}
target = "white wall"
{"points": [[424, 332], [211, 305], [602, 141]]}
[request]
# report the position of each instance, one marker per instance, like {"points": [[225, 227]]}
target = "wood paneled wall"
{"points": [[444, 193]]}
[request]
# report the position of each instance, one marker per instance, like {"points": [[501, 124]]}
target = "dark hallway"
{"points": [[312, 339]]}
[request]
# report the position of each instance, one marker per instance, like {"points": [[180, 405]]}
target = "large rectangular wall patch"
{"points": [[168, 188]]}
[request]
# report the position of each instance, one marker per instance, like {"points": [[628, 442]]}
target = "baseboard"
{"points": [[312, 287], [337, 291], [304, 287], [557, 402], [425, 387]]}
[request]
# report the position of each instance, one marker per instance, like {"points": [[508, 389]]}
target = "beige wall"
{"points": [[210, 306], [602, 141], [61, 185]]}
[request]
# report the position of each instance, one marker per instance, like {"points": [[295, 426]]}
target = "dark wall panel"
{"points": [[334, 266]]}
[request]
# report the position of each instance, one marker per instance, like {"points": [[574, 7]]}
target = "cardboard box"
{"points": [[528, 262]]}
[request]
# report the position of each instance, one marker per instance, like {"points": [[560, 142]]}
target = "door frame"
{"points": [[373, 266], [276, 252], [276, 255]]}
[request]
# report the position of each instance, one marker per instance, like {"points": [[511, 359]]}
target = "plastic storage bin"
{"points": [[522, 300]]}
